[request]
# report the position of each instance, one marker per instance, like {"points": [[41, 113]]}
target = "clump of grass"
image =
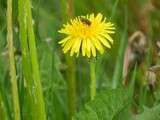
{"points": [[30, 63]]}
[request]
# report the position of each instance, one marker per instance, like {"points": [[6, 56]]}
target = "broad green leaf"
{"points": [[105, 106], [149, 114]]}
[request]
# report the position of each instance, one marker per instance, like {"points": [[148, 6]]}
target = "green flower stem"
{"points": [[93, 80], [12, 62], [71, 82], [70, 61]]}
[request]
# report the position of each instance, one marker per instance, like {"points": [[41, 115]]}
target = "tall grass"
{"points": [[74, 88], [30, 63], [117, 76], [13, 76], [3, 111]]}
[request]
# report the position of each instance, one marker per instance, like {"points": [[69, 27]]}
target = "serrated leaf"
{"points": [[105, 106], [149, 114]]}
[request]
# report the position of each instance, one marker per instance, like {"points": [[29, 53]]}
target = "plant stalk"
{"points": [[70, 73], [12, 62], [30, 63], [41, 115], [71, 82], [93, 80]]}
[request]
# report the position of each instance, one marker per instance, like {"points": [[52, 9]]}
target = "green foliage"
{"points": [[149, 114], [106, 105], [39, 59], [117, 76], [34, 93]]}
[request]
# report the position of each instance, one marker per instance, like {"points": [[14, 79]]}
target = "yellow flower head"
{"points": [[87, 35]]}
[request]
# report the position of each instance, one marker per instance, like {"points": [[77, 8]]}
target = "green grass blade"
{"points": [[117, 76], [114, 9], [3, 112], [36, 107], [13, 77], [132, 83], [40, 110], [26, 65]]}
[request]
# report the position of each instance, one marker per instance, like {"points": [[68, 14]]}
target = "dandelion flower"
{"points": [[86, 35]]}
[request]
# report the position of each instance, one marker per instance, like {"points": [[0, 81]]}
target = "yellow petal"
{"points": [[93, 49], [83, 47], [68, 45], [104, 41], [98, 45], [74, 47], [109, 26], [64, 40], [110, 31], [91, 17], [88, 48], [107, 36], [78, 45], [99, 17]]}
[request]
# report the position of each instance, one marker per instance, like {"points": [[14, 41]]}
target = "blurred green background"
{"points": [[128, 16]]}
